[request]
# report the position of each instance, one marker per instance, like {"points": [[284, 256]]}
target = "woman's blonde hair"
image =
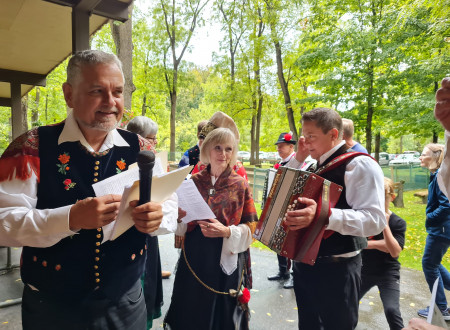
{"points": [[218, 136], [437, 155], [389, 186]]}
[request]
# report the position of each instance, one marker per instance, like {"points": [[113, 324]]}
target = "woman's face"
{"points": [[152, 139], [220, 156], [425, 158]]}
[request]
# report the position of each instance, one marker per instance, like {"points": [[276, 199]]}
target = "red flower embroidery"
{"points": [[120, 165], [68, 184], [276, 166], [244, 297], [64, 166], [288, 137], [64, 158]]}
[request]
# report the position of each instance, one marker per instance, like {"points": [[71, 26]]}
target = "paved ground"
{"points": [[272, 306]]}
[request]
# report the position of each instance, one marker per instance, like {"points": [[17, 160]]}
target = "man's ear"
{"points": [[67, 90], [334, 133]]}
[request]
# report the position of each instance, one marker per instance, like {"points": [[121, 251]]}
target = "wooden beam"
{"points": [[5, 102], [113, 9], [16, 110], [80, 30], [20, 77]]}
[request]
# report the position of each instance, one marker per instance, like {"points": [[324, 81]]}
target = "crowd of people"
{"points": [[75, 279]]}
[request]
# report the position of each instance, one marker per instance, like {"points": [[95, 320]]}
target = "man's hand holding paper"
{"points": [[147, 217]]}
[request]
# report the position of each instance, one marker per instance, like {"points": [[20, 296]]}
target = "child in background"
{"points": [[380, 266]]}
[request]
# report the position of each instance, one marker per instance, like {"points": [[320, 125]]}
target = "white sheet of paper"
{"points": [[190, 200], [434, 314], [163, 186], [127, 185], [163, 156]]}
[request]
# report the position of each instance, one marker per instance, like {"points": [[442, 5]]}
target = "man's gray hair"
{"points": [[89, 58], [143, 126]]}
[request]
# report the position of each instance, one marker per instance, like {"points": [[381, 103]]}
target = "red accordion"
{"points": [[288, 185]]}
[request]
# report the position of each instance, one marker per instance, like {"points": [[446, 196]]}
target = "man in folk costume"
{"points": [[327, 293], [285, 147], [72, 280]]}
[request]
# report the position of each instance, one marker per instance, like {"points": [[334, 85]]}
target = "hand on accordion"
{"points": [[301, 218]]}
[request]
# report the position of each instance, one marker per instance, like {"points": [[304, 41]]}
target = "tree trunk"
{"points": [[35, 111], [144, 105], [24, 109], [377, 146], [370, 110], [284, 85], [122, 35], [253, 141]]}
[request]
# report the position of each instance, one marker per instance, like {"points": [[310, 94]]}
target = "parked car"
{"points": [[243, 155], [383, 158], [405, 159], [415, 153]]}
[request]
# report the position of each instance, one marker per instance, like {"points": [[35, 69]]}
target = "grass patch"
{"points": [[414, 215]]}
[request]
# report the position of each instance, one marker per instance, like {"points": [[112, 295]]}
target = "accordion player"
{"points": [[288, 185]]}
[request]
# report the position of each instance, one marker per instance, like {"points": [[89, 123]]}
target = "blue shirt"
{"points": [[438, 210]]}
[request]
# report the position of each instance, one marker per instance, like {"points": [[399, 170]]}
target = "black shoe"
{"points": [[289, 283], [279, 276]]}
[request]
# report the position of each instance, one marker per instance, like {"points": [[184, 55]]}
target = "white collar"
{"points": [[288, 158], [72, 133], [325, 156]]}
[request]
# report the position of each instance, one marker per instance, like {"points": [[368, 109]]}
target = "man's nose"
{"points": [[109, 99]]}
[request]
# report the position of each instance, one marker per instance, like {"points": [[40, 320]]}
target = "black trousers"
{"points": [[327, 293], [389, 286], [40, 313], [284, 264]]}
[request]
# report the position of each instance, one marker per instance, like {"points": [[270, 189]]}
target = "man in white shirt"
{"points": [[48, 206], [327, 293], [442, 113]]}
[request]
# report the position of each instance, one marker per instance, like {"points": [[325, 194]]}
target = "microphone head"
{"points": [[145, 159]]}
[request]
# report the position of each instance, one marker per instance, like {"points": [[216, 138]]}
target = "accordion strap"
{"points": [[339, 160]]}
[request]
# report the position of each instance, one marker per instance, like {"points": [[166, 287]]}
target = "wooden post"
{"points": [[398, 187]]}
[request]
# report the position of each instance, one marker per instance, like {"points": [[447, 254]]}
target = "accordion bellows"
{"points": [[288, 185]]}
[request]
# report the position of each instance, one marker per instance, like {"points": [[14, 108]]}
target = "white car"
{"points": [[405, 159], [243, 155]]}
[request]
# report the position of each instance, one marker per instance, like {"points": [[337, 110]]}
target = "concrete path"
{"points": [[272, 306]]}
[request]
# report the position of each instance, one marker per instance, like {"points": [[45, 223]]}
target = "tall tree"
{"points": [[276, 9], [180, 18]]}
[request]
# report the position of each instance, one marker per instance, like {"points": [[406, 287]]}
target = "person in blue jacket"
{"points": [[437, 225]]}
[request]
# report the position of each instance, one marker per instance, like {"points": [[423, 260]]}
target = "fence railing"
{"points": [[414, 176]]}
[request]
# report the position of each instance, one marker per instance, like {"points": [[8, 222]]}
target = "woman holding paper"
{"points": [[215, 258]]}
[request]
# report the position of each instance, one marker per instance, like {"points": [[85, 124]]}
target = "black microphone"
{"points": [[146, 161]]}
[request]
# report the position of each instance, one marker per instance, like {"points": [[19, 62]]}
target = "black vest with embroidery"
{"points": [[338, 243], [76, 266]]}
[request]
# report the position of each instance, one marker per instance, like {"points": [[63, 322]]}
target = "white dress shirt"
{"points": [[21, 224], [443, 176], [364, 194]]}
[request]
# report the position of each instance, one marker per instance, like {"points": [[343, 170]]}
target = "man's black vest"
{"points": [[338, 243], [76, 266]]}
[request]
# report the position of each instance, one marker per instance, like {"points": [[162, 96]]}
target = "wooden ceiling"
{"points": [[37, 35]]}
